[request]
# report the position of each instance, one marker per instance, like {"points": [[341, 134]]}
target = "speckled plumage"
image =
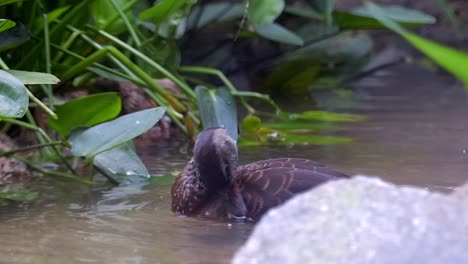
{"points": [[212, 186]]}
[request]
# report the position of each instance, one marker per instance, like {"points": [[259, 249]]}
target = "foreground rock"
{"points": [[363, 220]]}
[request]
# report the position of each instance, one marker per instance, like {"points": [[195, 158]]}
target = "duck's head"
{"points": [[215, 155]]}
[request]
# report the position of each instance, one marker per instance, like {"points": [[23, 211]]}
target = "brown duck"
{"points": [[212, 185]]}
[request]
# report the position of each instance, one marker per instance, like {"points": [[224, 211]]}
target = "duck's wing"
{"points": [[267, 183]]}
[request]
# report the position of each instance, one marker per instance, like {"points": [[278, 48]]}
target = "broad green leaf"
{"points": [[29, 78], [217, 108], [122, 164], [454, 61], [99, 138], [85, 111], [13, 96], [280, 34], [361, 18], [6, 24], [162, 10], [17, 193], [7, 2], [215, 12], [264, 12]]}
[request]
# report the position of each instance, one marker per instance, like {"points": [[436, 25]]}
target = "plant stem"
{"points": [[41, 105], [28, 148], [130, 28], [224, 79], [51, 172], [152, 63], [42, 134], [3, 65]]}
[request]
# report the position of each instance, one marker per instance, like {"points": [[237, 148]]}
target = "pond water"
{"points": [[416, 133]]}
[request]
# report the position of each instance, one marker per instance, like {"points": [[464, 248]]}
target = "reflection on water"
{"points": [[415, 134]]}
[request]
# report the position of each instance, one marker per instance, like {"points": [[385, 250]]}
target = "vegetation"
{"points": [[48, 49]]}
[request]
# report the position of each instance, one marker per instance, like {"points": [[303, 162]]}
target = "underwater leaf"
{"points": [[279, 34], [86, 111], [326, 116], [454, 61], [6, 24], [29, 78], [107, 135], [161, 10], [217, 109], [17, 193], [122, 164], [264, 12], [13, 96], [162, 180]]}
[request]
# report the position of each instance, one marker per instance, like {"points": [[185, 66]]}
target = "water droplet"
{"points": [[137, 122]]}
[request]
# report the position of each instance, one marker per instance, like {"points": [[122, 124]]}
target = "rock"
{"points": [[362, 220], [11, 170]]}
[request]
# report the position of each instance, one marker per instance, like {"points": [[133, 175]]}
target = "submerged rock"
{"points": [[362, 220]]}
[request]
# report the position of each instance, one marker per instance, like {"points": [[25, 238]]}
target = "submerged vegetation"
{"points": [[49, 50]]}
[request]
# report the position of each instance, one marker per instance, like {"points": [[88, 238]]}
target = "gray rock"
{"points": [[363, 220]]}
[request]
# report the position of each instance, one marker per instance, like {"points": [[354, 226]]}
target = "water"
{"points": [[416, 134]]}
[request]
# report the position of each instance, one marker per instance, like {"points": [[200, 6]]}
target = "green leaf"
{"points": [[216, 12], [85, 111], [103, 11], [162, 10], [55, 14], [264, 12], [6, 24], [280, 34], [162, 180], [362, 18], [29, 78], [217, 108], [13, 96], [326, 8], [454, 61], [327, 116], [7, 2], [303, 12], [122, 164], [107, 135]]}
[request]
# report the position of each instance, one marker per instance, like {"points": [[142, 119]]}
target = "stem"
{"points": [[41, 105], [221, 76], [28, 148], [130, 28], [152, 63], [51, 172], [44, 135], [3, 65]]}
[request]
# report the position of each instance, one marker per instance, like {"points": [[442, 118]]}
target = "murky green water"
{"points": [[416, 134]]}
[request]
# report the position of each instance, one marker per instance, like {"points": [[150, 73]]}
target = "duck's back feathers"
{"points": [[267, 183]]}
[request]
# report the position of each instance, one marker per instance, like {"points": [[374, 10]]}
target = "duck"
{"points": [[213, 186]]}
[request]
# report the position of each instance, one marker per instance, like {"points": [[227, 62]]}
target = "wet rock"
{"points": [[11, 170], [363, 220]]}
